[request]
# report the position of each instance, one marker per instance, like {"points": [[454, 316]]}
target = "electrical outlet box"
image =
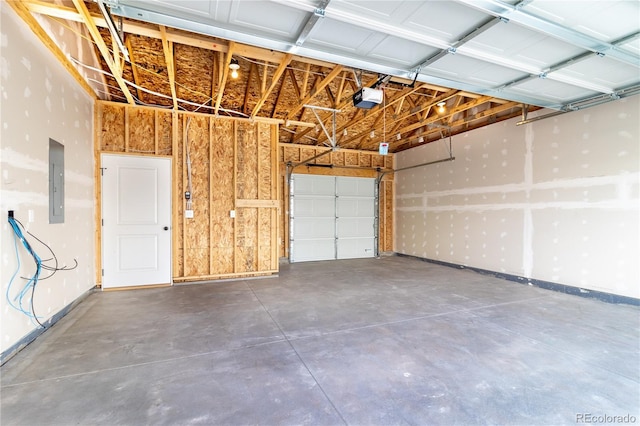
{"points": [[188, 214], [232, 213]]}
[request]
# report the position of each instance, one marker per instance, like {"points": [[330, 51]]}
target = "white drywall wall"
{"points": [[40, 100], [554, 200]]}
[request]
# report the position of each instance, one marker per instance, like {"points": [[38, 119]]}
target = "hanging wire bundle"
{"points": [[23, 300]]}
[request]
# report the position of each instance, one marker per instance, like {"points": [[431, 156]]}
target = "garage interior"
{"points": [[361, 212]]}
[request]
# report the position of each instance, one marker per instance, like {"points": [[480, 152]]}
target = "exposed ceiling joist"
{"points": [[486, 57], [24, 13], [112, 61], [274, 81], [167, 48]]}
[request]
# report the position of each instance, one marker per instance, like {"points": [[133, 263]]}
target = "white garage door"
{"points": [[331, 217]]}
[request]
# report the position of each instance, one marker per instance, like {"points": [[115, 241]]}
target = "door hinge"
{"points": [[102, 222], [103, 272]]}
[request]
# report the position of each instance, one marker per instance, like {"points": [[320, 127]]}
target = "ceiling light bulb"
{"points": [[420, 139], [441, 107], [234, 67], [398, 137]]}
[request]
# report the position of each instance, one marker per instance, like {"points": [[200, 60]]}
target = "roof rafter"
{"points": [[24, 13], [225, 74], [167, 48], [321, 85], [274, 81], [104, 50]]}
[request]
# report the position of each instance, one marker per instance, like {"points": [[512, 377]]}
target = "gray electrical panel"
{"points": [[56, 182]]}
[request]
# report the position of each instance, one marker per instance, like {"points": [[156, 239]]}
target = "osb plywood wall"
{"points": [[235, 167], [233, 171], [343, 162]]}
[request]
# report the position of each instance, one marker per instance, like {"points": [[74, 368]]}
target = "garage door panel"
{"points": [[354, 227], [355, 207], [306, 206], [353, 248], [314, 228], [309, 250], [314, 185], [332, 218], [354, 186]]}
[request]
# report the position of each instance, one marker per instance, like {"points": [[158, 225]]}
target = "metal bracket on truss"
{"points": [[332, 139], [111, 26]]}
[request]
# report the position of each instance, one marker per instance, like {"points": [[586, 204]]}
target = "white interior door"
{"points": [[136, 215], [332, 217]]}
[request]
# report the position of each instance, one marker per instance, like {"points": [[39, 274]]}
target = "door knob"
{"points": [[166, 228]]}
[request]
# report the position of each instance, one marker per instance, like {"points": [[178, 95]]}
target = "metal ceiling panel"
{"points": [[603, 71], [284, 21], [459, 44], [522, 45], [475, 71], [549, 89], [403, 53], [448, 21], [592, 17]]}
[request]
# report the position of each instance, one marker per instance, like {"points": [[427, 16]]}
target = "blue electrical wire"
{"points": [[32, 282]]}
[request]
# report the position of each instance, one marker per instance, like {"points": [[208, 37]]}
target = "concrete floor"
{"points": [[386, 341]]}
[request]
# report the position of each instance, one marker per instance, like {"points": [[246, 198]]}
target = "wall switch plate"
{"points": [[188, 214], [232, 213]]}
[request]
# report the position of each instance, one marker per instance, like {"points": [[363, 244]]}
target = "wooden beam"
{"points": [[104, 50], [257, 203], [305, 81], [428, 104], [274, 81], [340, 90], [225, 75], [134, 67], [167, 48], [175, 36], [320, 86], [22, 11], [253, 70]]}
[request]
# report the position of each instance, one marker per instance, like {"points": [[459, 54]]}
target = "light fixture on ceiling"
{"points": [[234, 67], [440, 107], [372, 134], [420, 139], [398, 136]]}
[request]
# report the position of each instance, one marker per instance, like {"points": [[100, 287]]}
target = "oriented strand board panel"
{"points": [[230, 160], [196, 230], [163, 131], [113, 124], [247, 161], [222, 196], [141, 129]]}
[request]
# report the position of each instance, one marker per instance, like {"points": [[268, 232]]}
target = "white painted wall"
{"points": [[554, 200], [40, 100]]}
